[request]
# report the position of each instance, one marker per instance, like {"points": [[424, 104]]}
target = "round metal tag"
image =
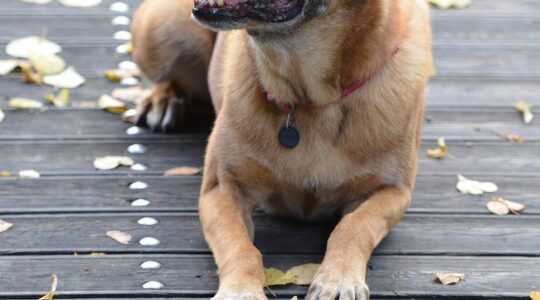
{"points": [[289, 137]]}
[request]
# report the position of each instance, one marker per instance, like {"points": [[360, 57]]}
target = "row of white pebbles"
{"points": [[125, 35]]}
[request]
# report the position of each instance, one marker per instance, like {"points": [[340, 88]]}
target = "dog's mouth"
{"points": [[220, 12]]}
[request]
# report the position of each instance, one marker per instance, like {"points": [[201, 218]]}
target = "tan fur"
{"points": [[357, 156]]}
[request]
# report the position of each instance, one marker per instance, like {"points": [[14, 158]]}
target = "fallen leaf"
{"points": [[24, 103], [68, 79], [446, 4], [472, 187], [440, 152], [119, 236], [86, 104], [80, 3], [277, 277], [7, 66], [501, 207], [449, 278], [50, 294], [303, 274], [98, 254], [183, 171], [37, 1], [4, 225], [46, 63], [29, 174], [22, 47], [117, 75], [59, 100], [129, 94], [111, 104], [525, 109], [112, 162], [29, 76], [535, 295], [294, 298], [515, 138], [5, 174], [2, 115]]}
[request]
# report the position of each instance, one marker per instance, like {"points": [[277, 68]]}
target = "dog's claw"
{"points": [[336, 286], [160, 112], [241, 295]]}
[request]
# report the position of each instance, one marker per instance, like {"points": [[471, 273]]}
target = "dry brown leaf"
{"points": [[440, 152], [449, 278], [59, 100], [68, 79], [183, 171], [29, 76], [501, 207], [4, 225], [22, 47], [534, 295], [446, 4], [515, 138], [111, 104], [525, 109], [472, 187], [24, 103], [106, 163], [119, 236], [50, 294]]}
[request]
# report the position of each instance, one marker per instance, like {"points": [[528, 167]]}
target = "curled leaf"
{"points": [[440, 152], [472, 187], [119, 236], [449, 278], [29, 76], [24, 103], [59, 100], [50, 294], [111, 104], [525, 109]]}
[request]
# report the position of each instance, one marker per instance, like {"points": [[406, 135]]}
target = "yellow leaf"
{"points": [[116, 75], [440, 152], [449, 278], [24, 103], [4, 225], [446, 4], [277, 277], [515, 138], [59, 100], [303, 274], [119, 236], [50, 294], [5, 174], [525, 109], [535, 295], [111, 104], [183, 171], [46, 63]]}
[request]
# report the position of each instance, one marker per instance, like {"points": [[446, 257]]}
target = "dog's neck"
{"points": [[326, 55]]}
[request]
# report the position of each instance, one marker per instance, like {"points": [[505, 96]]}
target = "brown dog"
{"points": [[339, 136]]}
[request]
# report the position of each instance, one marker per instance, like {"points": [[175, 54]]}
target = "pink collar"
{"points": [[288, 107]]}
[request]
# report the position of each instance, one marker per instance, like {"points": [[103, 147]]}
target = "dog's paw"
{"points": [[330, 285], [240, 295], [162, 111]]}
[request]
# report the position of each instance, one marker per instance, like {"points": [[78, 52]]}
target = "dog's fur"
{"points": [[357, 156]]}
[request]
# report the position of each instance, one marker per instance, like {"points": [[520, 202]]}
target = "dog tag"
{"points": [[289, 137]]}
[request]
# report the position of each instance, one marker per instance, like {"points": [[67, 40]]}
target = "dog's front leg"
{"points": [[228, 228], [343, 270]]}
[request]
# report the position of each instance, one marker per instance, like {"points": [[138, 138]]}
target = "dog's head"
{"points": [[260, 15]]}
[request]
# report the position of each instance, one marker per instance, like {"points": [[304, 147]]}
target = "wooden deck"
{"points": [[488, 58]]}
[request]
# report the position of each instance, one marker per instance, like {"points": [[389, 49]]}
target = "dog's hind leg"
{"points": [[173, 52]]}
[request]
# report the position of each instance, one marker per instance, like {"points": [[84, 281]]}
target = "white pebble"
{"points": [[136, 149], [153, 285], [119, 7], [122, 35], [138, 185], [133, 130], [122, 49], [152, 265], [149, 241], [128, 65], [138, 167], [120, 21], [129, 81], [140, 202], [147, 221]]}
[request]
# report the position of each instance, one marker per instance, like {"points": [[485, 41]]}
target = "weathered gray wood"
{"points": [[394, 276], [180, 233], [433, 194]]}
